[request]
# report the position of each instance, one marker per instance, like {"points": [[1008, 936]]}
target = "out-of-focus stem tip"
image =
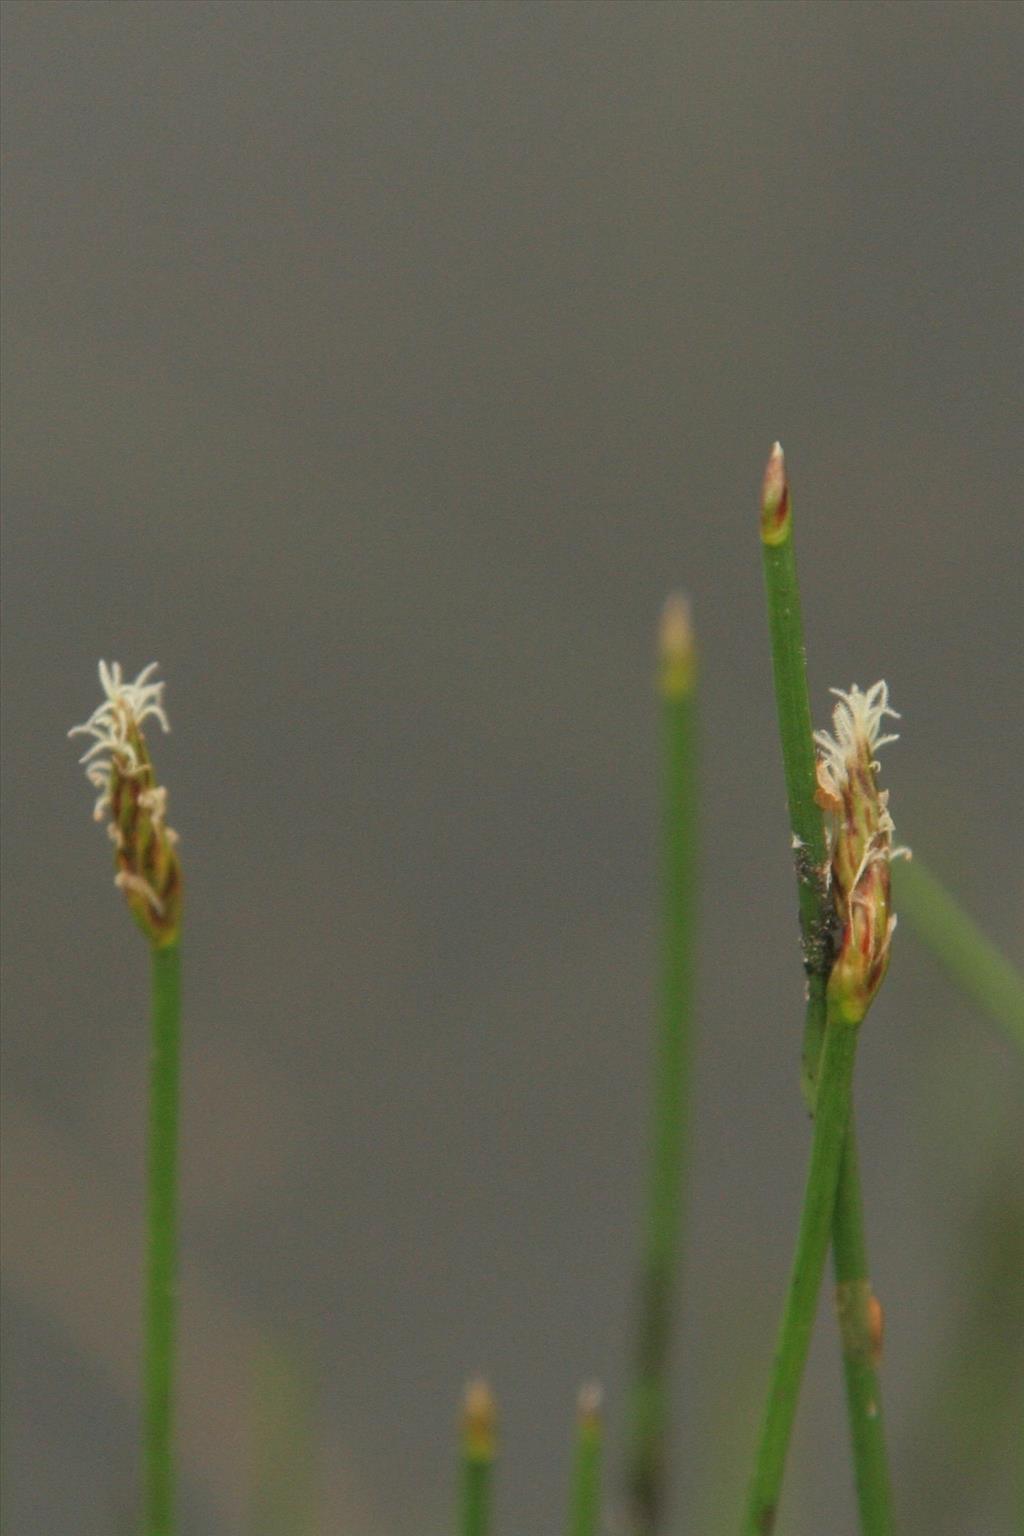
{"points": [[479, 1421], [775, 498], [589, 1404], [677, 651]]}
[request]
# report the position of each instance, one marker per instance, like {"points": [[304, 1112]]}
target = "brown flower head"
{"points": [[119, 766]]}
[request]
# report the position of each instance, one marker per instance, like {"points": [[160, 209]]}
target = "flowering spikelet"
{"points": [[860, 845], [119, 766]]}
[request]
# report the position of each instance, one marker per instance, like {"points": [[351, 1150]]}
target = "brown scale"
{"points": [[145, 856]]}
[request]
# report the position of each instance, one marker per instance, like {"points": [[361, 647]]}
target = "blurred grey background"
{"points": [[378, 369]]}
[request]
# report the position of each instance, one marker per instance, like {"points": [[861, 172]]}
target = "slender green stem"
{"points": [[585, 1499], [476, 1496], [793, 706], [971, 959], [477, 1463], [162, 1241], [830, 1125], [808, 833], [659, 1273], [860, 1333]]}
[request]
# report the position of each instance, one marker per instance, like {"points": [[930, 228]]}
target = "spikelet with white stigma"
{"points": [[860, 842], [118, 764]]}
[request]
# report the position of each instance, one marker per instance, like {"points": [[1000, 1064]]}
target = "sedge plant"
{"points": [[846, 930], [148, 873], [841, 836], [645, 1473]]}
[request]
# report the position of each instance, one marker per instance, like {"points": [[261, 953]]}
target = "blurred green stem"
{"points": [[958, 944], [476, 1496], [162, 1242], [585, 1498], [658, 1280]]}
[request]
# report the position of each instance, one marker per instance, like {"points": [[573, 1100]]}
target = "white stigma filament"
{"points": [[141, 887], [124, 706], [857, 723], [155, 802]]}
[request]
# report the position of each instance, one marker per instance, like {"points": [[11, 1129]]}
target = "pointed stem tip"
{"points": [[479, 1421], [677, 652], [589, 1404], [775, 498]]}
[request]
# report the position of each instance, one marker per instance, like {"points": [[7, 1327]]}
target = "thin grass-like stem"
{"points": [[973, 961], [585, 1494], [796, 737], [161, 1258], [659, 1273], [785, 622], [830, 1125], [860, 1331], [477, 1461]]}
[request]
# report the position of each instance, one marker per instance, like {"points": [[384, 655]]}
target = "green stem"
{"points": [[830, 1125], [793, 706], [585, 1500], [861, 1349], [971, 959], [162, 1241], [658, 1281], [476, 1496], [789, 668]]}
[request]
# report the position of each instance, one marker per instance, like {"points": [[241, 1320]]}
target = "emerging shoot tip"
{"points": [[589, 1404], [677, 652], [775, 498], [479, 1422]]}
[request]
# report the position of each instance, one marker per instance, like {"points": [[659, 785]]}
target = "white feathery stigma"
{"points": [[857, 722], [860, 832], [125, 705]]}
